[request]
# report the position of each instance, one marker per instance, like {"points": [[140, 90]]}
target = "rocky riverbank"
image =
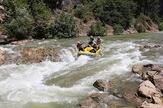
{"points": [[29, 55], [146, 93]]}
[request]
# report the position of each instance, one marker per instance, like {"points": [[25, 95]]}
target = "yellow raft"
{"points": [[88, 53]]}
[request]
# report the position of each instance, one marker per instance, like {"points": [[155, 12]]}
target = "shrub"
{"points": [[98, 29], [83, 12], [39, 10], [40, 30], [65, 27], [118, 29], [21, 26], [161, 26], [140, 28]]}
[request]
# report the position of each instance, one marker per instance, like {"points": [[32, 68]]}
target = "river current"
{"points": [[65, 83]]}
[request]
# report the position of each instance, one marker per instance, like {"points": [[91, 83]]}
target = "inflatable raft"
{"points": [[87, 51]]}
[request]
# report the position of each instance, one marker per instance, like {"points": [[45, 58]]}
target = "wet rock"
{"points": [[138, 69], [150, 105], [147, 89], [102, 85], [158, 81], [2, 57], [146, 71], [149, 47], [95, 100], [130, 97], [157, 68], [22, 42], [36, 55]]}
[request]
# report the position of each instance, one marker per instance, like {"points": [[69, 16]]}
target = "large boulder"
{"points": [[147, 89], [102, 85], [146, 71], [150, 105], [36, 55]]}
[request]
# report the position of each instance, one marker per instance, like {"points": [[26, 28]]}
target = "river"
{"points": [[64, 84]]}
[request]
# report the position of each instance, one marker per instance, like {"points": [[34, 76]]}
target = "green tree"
{"points": [[118, 29], [21, 26], [98, 29], [115, 11], [53, 4], [149, 8], [64, 26], [83, 12]]}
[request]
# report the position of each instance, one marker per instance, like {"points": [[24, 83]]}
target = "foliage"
{"points": [[25, 17], [35, 18], [161, 26], [65, 26], [115, 11], [149, 8], [140, 27], [83, 12], [118, 29], [53, 3], [39, 10], [98, 29], [40, 31], [20, 27]]}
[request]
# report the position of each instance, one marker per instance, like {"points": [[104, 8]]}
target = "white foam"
{"points": [[24, 83]]}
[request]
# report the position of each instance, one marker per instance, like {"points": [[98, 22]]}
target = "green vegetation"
{"points": [[118, 29], [98, 29], [65, 27], [161, 26], [45, 19]]}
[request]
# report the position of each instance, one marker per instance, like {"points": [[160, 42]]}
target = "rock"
{"points": [[2, 57], [131, 30], [156, 68], [156, 100], [102, 85], [158, 81], [22, 42], [147, 89], [95, 100], [146, 71], [130, 97], [138, 69], [156, 46], [149, 47], [36, 55], [151, 73], [150, 105]]}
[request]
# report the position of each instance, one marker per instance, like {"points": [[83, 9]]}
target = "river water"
{"points": [[64, 84]]}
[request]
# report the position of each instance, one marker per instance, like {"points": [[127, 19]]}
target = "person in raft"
{"points": [[92, 46], [79, 46], [98, 42]]}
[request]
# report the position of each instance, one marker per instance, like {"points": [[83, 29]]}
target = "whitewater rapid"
{"points": [[26, 83]]}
